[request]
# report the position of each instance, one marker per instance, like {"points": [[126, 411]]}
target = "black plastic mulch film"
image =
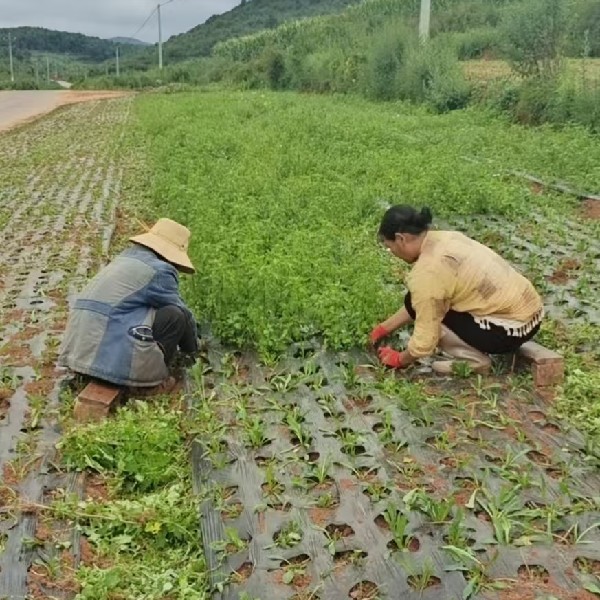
{"points": [[379, 448]]}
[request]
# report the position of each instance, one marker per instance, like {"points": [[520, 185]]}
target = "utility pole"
{"points": [[10, 55], [117, 54], [160, 49], [425, 20]]}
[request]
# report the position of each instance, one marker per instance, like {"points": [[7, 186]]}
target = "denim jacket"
{"points": [[102, 336]]}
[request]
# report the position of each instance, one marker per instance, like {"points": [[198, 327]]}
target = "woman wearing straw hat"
{"points": [[128, 323]]}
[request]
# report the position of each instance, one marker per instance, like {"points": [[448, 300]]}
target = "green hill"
{"points": [[248, 17], [38, 52], [28, 40]]}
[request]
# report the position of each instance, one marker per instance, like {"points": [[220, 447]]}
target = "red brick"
{"points": [[547, 366], [548, 374], [538, 354], [95, 401]]}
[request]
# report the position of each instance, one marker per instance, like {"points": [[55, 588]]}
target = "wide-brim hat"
{"points": [[170, 240]]}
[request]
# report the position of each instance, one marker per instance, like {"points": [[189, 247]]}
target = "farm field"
{"points": [[310, 471], [488, 70]]}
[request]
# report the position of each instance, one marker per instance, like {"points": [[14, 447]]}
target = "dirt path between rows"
{"points": [[20, 107]]}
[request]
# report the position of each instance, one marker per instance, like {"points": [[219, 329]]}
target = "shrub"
{"points": [[534, 33], [384, 60], [431, 73]]}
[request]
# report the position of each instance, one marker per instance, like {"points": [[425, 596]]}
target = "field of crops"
{"points": [[316, 474]]}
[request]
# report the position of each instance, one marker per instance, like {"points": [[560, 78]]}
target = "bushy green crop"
{"points": [[284, 194]]}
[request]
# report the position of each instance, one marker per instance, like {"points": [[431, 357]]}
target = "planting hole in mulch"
{"points": [[564, 271], [306, 595], [539, 458], [293, 572], [587, 566], [551, 428], [339, 531], [378, 427], [423, 581], [377, 491], [233, 510], [288, 536], [227, 492], [533, 573], [360, 402], [495, 460], [349, 557], [301, 560], [273, 488], [364, 590], [412, 545], [263, 461], [536, 416], [244, 572], [278, 505], [352, 450]]}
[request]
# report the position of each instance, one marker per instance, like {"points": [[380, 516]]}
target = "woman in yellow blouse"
{"points": [[462, 296]]}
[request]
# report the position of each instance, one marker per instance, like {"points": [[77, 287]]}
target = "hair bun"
{"points": [[425, 216]]}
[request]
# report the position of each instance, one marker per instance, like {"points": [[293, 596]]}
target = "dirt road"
{"points": [[20, 107]]}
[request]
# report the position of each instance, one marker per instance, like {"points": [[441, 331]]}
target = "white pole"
{"points": [[12, 69], [160, 48], [424, 22]]}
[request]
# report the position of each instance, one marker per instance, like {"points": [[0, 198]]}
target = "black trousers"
{"points": [[173, 329], [494, 340]]}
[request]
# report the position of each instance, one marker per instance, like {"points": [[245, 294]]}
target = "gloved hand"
{"points": [[378, 334], [390, 357]]}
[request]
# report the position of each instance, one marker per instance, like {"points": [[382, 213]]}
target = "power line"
{"points": [[145, 22]]}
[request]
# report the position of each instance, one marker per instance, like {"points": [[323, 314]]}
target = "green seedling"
{"points": [[421, 579], [231, 544], [283, 383], [456, 531], [397, 521], [272, 486], [289, 536], [377, 491], [505, 513], [326, 500], [319, 472], [438, 511], [462, 369], [255, 432]]}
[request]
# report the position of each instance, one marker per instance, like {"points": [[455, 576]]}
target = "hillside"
{"points": [[248, 17], [127, 40], [30, 40]]}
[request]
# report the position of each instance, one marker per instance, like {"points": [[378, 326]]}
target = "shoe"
{"points": [[479, 362], [168, 386]]}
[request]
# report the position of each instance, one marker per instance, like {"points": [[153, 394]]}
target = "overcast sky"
{"points": [[110, 18]]}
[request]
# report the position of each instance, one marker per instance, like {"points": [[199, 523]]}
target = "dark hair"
{"points": [[404, 219]]}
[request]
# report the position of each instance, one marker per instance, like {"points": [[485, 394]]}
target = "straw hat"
{"points": [[170, 240]]}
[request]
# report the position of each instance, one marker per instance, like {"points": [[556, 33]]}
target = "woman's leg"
{"points": [[172, 329]]}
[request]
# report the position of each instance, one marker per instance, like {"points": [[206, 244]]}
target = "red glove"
{"points": [[378, 333], [390, 357]]}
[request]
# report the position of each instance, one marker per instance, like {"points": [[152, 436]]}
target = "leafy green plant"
{"points": [[143, 448], [438, 511]]}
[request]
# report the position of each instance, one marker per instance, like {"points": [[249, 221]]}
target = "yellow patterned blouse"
{"points": [[458, 273]]}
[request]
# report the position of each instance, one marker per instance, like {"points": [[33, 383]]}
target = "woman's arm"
{"points": [[397, 320]]}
